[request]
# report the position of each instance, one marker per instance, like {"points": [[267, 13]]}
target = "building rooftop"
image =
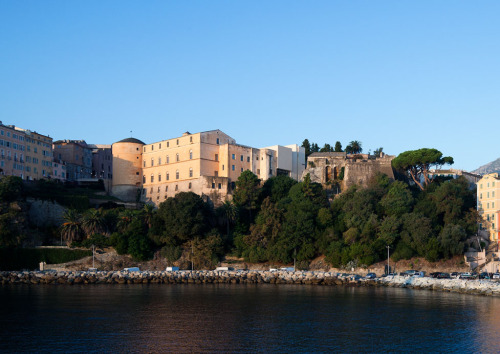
{"points": [[131, 140]]}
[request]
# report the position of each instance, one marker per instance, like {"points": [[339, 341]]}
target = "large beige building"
{"points": [[24, 153], [206, 163], [488, 204]]}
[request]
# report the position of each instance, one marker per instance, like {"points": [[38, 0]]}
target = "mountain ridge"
{"points": [[490, 167]]}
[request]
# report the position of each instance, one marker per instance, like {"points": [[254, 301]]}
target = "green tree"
{"points": [[398, 200], [92, 222], [228, 213], [451, 240], [338, 147], [307, 147], [71, 229], [247, 191], [11, 188], [326, 148], [354, 147], [277, 188], [378, 151], [180, 219], [417, 163]]}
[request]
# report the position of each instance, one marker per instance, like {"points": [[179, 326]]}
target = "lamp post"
{"points": [[388, 265]]}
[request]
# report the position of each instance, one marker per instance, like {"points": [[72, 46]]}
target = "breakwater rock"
{"points": [[482, 287]]}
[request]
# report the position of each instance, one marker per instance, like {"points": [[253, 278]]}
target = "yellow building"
{"points": [[39, 155], [206, 163], [24, 153], [488, 204]]}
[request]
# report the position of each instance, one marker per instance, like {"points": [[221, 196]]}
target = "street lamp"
{"points": [[388, 265]]}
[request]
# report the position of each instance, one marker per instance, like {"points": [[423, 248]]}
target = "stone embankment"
{"points": [[482, 287]]}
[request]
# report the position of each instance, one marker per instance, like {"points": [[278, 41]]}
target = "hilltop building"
{"points": [[206, 163], [488, 204], [25, 153], [77, 156], [453, 173], [339, 171]]}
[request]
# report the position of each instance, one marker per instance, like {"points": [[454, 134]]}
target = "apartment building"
{"points": [[488, 204], [39, 155], [102, 161], [77, 156], [206, 163], [24, 153]]}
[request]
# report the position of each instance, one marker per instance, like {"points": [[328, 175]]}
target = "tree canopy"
{"points": [[416, 164]]}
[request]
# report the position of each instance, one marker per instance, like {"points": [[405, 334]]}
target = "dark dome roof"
{"points": [[131, 140]]}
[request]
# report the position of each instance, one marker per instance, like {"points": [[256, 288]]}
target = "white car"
{"points": [[496, 276]]}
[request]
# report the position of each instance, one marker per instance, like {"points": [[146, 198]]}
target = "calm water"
{"points": [[239, 318]]}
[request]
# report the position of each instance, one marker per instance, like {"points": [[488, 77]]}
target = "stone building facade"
{"points": [[206, 163], [77, 156], [339, 170], [127, 169]]}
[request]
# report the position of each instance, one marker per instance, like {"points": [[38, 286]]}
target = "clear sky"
{"points": [[398, 74]]}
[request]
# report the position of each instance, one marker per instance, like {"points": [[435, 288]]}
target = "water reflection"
{"points": [[239, 318]]}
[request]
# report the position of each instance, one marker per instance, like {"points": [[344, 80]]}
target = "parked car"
{"points": [[484, 275], [443, 275], [455, 274], [434, 274], [355, 277], [410, 273], [466, 276], [496, 276], [371, 276]]}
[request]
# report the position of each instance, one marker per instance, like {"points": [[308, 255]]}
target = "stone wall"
{"points": [[326, 169]]}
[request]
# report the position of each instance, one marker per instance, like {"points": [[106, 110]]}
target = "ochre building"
{"points": [[206, 163], [488, 204]]}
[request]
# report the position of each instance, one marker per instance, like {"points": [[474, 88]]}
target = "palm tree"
{"points": [[125, 219], [71, 230], [354, 147], [93, 222], [148, 212]]}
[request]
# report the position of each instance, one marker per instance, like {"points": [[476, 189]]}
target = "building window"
{"points": [[213, 185], [159, 146], [144, 149], [190, 139], [220, 186], [143, 179], [190, 172], [159, 178], [258, 171], [176, 187], [166, 188], [177, 174], [177, 141], [217, 141], [493, 194], [143, 191], [177, 157], [168, 176], [233, 185], [152, 147], [248, 158], [151, 190], [158, 189], [480, 195], [242, 169], [232, 167], [233, 156], [487, 205], [159, 160], [144, 163], [241, 158], [168, 144], [152, 162], [190, 154], [216, 157], [152, 178], [168, 159], [216, 173], [222, 167], [488, 195], [257, 158], [189, 185]]}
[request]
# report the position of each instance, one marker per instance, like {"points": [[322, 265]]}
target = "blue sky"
{"points": [[397, 74]]}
